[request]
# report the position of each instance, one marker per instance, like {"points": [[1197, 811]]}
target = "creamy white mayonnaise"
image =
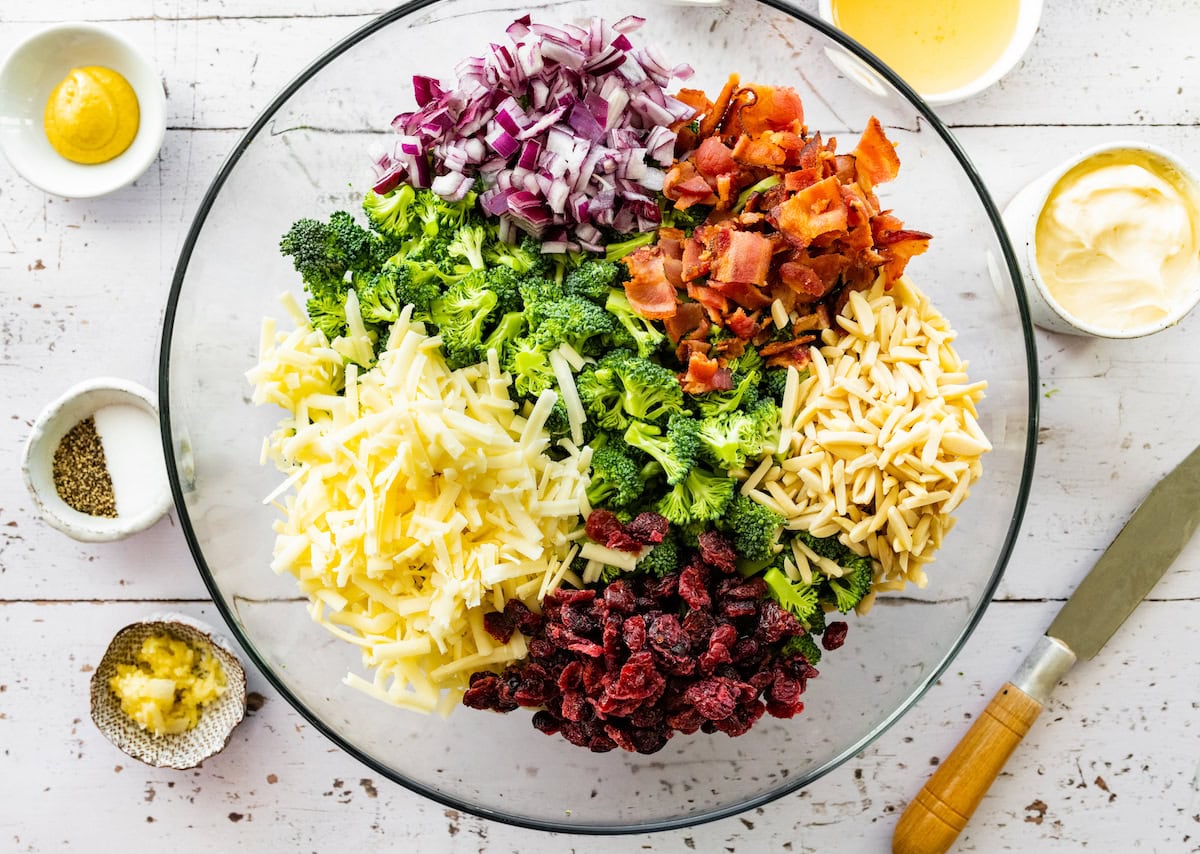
{"points": [[1118, 241]]}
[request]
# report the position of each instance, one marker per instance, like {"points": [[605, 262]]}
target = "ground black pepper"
{"points": [[81, 473]]}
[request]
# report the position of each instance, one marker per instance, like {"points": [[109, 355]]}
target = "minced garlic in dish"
{"points": [[168, 685]]}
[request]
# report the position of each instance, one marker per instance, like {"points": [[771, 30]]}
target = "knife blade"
{"points": [[1132, 564]]}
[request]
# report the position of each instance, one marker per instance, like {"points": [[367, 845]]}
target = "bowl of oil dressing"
{"points": [[94, 463], [947, 50]]}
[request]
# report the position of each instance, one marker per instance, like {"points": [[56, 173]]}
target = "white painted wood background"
{"points": [[1111, 766]]}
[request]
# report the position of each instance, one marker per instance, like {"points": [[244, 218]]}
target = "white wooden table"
{"points": [[1111, 766]]}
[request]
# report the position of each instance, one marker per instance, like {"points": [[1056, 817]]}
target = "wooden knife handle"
{"points": [[941, 810]]}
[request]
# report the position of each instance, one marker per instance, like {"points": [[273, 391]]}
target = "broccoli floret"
{"points": [[592, 280], [773, 383], [414, 285], [468, 244], [729, 440], [642, 332], [390, 213], [753, 527], [617, 251], [616, 481], [661, 560], [572, 320], [364, 252], [827, 547], [327, 312], [676, 451], [803, 646], [743, 395], [699, 497], [600, 393], [377, 300], [846, 592], [461, 314], [558, 425], [652, 392], [537, 294], [316, 255], [529, 363], [507, 286], [760, 187], [508, 329], [524, 259], [794, 596]]}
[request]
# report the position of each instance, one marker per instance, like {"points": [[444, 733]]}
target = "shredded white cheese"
{"points": [[422, 499]]}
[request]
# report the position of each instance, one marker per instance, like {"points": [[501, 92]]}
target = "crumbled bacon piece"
{"points": [[649, 291], [704, 375]]}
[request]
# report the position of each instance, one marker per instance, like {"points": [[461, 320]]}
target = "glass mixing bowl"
{"points": [[306, 156]]}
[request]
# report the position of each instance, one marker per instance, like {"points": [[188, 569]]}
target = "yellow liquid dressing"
{"points": [[935, 45]]}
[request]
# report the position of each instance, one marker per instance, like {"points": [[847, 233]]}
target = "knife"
{"points": [[1139, 556]]}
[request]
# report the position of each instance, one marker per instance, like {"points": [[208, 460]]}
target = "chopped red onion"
{"points": [[567, 128]]}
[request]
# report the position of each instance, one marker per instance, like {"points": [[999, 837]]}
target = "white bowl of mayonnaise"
{"points": [[1110, 242]]}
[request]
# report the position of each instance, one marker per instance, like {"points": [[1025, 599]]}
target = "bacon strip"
{"points": [[875, 156], [705, 374], [649, 291], [812, 212]]}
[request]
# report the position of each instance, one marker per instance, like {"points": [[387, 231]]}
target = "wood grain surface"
{"points": [[1110, 766]]}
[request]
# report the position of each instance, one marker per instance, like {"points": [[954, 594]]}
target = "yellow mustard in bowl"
{"points": [[92, 116]]}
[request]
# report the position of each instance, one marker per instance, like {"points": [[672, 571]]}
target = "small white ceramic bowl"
{"points": [[1020, 220], [28, 76], [1028, 17], [217, 721], [153, 495]]}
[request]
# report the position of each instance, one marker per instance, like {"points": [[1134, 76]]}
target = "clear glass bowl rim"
{"points": [[993, 214]]}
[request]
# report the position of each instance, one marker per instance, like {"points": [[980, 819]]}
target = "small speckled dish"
{"points": [[29, 74], [153, 493], [217, 720]]}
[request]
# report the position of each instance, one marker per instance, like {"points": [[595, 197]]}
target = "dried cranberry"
{"points": [[692, 589], [541, 649], [648, 528], [666, 635], [745, 649], [601, 524], [535, 689], [740, 720], [715, 655], [733, 588], [835, 635], [735, 608], [649, 740], [686, 721], [698, 625], [639, 679], [633, 632], [566, 596], [606, 529], [620, 737], [724, 634], [545, 722], [525, 620], [663, 588], [571, 677], [775, 624], [717, 552], [577, 620], [612, 637], [483, 692], [619, 597], [575, 706], [499, 625], [714, 698]]}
